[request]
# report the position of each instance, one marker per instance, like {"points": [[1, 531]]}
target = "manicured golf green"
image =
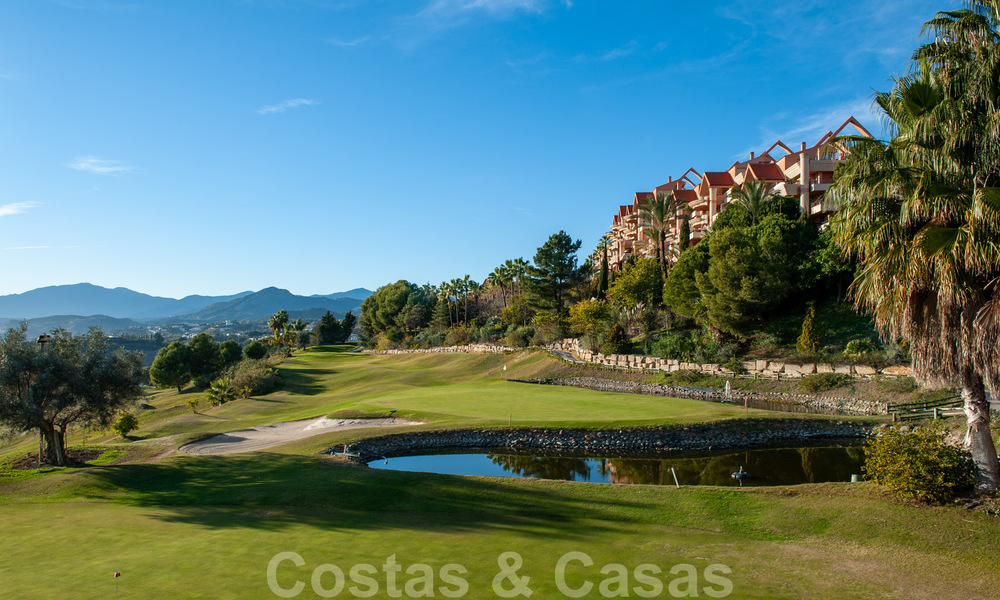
{"points": [[181, 526]]}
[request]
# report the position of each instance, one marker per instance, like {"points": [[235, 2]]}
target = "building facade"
{"points": [[805, 174]]}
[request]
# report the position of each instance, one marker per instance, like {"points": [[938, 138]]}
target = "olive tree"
{"points": [[65, 381]]}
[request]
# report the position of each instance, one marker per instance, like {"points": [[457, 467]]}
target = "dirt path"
{"points": [[266, 436]]}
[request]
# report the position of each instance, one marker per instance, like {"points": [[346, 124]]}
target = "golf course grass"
{"points": [[179, 526]]}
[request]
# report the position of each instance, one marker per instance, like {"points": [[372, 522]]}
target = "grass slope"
{"points": [[190, 527]]}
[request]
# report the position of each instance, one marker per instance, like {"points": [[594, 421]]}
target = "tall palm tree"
{"points": [[447, 290], [517, 268], [921, 213], [753, 196], [458, 291], [658, 213], [466, 286], [500, 278]]}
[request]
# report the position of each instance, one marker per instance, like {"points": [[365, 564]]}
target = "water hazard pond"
{"points": [[786, 466]]}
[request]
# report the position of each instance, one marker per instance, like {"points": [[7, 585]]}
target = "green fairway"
{"points": [[207, 527], [451, 389], [179, 526]]}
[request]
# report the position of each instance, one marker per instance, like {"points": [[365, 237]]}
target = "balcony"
{"points": [[815, 166], [787, 189], [819, 187], [823, 206]]}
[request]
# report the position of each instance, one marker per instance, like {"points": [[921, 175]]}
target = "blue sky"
{"points": [[210, 147]]}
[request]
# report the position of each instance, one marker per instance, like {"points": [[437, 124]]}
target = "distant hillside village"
{"points": [[805, 174]]}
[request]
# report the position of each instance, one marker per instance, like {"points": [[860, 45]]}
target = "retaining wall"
{"points": [[754, 368], [833, 404], [723, 435]]}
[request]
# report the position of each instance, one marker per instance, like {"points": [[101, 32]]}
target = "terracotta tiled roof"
{"points": [[640, 197], [765, 172], [686, 195], [718, 179]]}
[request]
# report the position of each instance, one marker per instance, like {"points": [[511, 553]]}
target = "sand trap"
{"points": [[267, 436]]}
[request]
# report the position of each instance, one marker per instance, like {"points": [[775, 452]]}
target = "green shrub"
{"points": [[519, 337], [861, 349], [549, 327], [918, 464], [203, 382], [193, 403], [255, 350], [457, 336], [257, 376], [823, 381], [677, 345], [126, 424], [617, 341], [768, 343], [428, 339], [735, 365]]}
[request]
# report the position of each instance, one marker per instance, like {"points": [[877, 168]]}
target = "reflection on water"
{"points": [[768, 467]]}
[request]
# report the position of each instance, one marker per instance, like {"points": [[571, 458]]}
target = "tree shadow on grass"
{"points": [[306, 382], [271, 491]]}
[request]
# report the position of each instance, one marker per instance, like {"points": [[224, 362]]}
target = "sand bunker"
{"points": [[267, 436]]}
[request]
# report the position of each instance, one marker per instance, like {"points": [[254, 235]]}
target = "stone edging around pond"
{"points": [[839, 405], [740, 434]]}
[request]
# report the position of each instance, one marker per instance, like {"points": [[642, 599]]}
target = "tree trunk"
{"points": [[54, 454], [978, 438]]}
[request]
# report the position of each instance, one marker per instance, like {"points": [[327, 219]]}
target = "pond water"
{"points": [[787, 466]]}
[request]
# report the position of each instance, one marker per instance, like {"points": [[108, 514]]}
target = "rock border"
{"points": [[820, 404], [653, 364], [742, 434]]}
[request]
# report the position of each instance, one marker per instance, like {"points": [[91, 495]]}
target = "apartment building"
{"points": [[805, 174]]}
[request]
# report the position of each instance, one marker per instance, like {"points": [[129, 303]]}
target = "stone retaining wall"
{"points": [[723, 435], [758, 368], [467, 349], [833, 404], [754, 368]]}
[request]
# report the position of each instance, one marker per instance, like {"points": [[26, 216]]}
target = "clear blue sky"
{"points": [[194, 146]]}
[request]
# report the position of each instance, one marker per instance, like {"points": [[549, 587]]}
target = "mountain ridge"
{"points": [[86, 299]]}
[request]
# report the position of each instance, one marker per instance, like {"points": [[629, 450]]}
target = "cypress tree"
{"points": [[684, 236], [811, 337], [602, 286]]}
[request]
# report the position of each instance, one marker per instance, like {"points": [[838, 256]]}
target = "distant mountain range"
{"points": [[84, 304], [262, 304]]}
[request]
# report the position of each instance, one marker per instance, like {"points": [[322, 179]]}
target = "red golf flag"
{"points": [[117, 574]]}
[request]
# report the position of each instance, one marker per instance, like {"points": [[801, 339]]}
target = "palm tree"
{"points": [[458, 290], [658, 213], [277, 322], [466, 287], [500, 278], [444, 293], [753, 196], [921, 213], [294, 329], [518, 268]]}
